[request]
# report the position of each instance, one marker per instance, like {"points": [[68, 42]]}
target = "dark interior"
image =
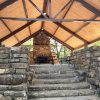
{"points": [[42, 60]]}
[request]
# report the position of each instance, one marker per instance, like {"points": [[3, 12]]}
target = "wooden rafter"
{"points": [[26, 13], [89, 7], [17, 30], [44, 11], [62, 9], [93, 41], [38, 9], [9, 29], [81, 28], [55, 38], [50, 8], [71, 3], [6, 25], [48, 19], [7, 3], [27, 38], [71, 32]]}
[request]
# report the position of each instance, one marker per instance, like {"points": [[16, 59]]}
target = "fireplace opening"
{"points": [[43, 60]]}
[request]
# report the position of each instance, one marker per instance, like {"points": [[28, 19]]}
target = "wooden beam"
{"points": [[38, 9], [6, 26], [93, 41], [71, 32], [81, 28], [45, 6], [26, 13], [86, 24], [7, 3], [9, 29], [16, 31], [71, 3], [62, 9], [44, 11], [48, 19], [27, 38], [50, 8], [89, 7], [0, 44], [55, 38]]}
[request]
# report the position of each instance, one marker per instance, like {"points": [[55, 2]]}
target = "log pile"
{"points": [[13, 76]]}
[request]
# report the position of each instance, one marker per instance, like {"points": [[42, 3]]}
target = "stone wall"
{"points": [[87, 59], [13, 77]]}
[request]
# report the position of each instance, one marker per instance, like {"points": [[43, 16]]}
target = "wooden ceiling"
{"points": [[79, 23]]}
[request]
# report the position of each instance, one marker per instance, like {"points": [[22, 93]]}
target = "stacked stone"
{"points": [[82, 59], [13, 77], [87, 59], [4, 57]]}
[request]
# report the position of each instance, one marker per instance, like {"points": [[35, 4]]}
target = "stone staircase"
{"points": [[56, 82]]}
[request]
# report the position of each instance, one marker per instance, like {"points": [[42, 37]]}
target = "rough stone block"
{"points": [[19, 50], [19, 65], [2, 56], [20, 55], [97, 54], [13, 87], [14, 60], [5, 70], [3, 88], [15, 93], [4, 65], [23, 60], [12, 79], [21, 71], [2, 97], [4, 61], [5, 51], [98, 58], [88, 55]]}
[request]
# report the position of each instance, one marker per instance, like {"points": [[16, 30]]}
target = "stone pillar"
{"points": [[13, 75]]}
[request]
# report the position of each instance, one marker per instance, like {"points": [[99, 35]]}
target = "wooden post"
{"points": [[0, 44]]}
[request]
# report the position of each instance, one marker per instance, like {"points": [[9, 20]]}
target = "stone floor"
{"points": [[57, 82]]}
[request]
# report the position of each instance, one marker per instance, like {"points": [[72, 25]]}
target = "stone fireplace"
{"points": [[42, 49]]}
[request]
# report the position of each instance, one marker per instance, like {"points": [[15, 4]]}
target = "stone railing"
{"points": [[13, 75]]}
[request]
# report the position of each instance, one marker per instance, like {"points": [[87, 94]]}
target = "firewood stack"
{"points": [[13, 77]]}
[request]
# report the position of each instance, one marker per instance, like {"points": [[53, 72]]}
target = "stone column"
{"points": [[13, 77]]}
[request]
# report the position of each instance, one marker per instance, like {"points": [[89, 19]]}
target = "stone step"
{"points": [[60, 93], [51, 70], [13, 93], [13, 87], [54, 76], [54, 71], [43, 87], [52, 67], [53, 81], [45, 71], [91, 97], [49, 65]]}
